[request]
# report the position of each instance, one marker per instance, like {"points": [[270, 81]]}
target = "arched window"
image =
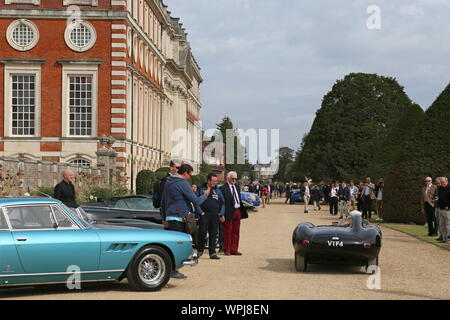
{"points": [[80, 163]]}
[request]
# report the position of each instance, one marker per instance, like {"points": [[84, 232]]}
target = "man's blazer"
{"points": [[428, 196], [229, 205]]}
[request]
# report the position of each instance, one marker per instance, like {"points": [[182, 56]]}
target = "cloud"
{"points": [[268, 63]]}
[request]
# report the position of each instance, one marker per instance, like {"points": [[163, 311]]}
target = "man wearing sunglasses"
{"points": [[234, 212]]}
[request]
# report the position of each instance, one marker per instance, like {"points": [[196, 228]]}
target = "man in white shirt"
{"points": [[306, 194], [354, 195], [334, 199]]}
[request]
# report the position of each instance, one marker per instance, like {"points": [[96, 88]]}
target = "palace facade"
{"points": [[72, 71]]}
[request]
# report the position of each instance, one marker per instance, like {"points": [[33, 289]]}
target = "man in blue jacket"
{"points": [[212, 211], [176, 202]]}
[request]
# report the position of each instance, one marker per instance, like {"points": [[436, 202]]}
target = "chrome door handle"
{"points": [[22, 239]]}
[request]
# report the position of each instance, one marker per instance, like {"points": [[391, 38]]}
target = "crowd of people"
{"points": [[266, 191], [219, 209], [435, 204], [341, 197]]}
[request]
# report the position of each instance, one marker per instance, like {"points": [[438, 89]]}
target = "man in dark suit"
{"points": [[234, 212], [65, 191]]}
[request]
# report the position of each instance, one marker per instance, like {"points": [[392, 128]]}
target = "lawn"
{"points": [[416, 231]]}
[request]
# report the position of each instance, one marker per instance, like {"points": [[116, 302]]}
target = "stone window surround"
{"points": [[65, 2], [70, 68], [31, 68], [11, 28], [93, 3], [34, 2], [83, 162]]}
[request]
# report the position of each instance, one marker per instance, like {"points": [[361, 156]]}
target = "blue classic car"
{"points": [[42, 241], [251, 200]]}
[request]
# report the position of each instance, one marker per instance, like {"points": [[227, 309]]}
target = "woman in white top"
{"points": [[379, 194], [334, 199]]}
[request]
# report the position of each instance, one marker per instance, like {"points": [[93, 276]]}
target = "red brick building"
{"points": [[74, 70]]}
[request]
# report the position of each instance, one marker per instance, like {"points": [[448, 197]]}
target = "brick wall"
{"points": [[20, 176]]}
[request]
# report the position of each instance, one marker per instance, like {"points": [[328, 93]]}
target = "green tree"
{"points": [[205, 168], [423, 152], [239, 149], [350, 127], [286, 156]]}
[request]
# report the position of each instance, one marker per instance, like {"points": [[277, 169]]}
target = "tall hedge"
{"points": [[350, 127], [144, 181], [425, 152]]}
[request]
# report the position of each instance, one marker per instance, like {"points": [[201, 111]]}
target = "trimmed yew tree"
{"points": [[425, 152], [350, 127]]}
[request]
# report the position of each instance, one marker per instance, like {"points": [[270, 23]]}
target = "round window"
{"points": [[80, 36], [22, 35]]}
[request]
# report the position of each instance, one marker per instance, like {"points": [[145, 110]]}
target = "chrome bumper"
{"points": [[193, 260]]}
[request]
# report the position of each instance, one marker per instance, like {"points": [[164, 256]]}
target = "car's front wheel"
{"points": [[150, 269], [301, 264]]}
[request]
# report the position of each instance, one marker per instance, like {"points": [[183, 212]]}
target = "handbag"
{"points": [[188, 219]]}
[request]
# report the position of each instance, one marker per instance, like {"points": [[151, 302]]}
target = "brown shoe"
{"points": [[227, 254], [236, 254]]}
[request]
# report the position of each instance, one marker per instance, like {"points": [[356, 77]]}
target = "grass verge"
{"points": [[416, 231]]}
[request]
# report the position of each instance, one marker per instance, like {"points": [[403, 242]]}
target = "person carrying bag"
{"points": [[175, 208]]}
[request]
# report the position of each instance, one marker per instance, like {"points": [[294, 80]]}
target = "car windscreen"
{"points": [[83, 218], [144, 204]]}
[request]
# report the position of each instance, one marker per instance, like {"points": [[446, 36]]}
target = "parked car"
{"points": [[131, 207], [296, 196], [117, 223], [41, 240], [250, 200], [357, 242]]}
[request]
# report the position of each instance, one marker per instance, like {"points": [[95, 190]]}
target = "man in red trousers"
{"points": [[234, 212]]}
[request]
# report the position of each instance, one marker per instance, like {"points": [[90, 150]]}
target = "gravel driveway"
{"points": [[410, 269]]}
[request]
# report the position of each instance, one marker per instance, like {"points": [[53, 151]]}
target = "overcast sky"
{"points": [[268, 63]]}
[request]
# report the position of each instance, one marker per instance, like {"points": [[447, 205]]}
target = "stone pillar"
{"points": [[106, 159]]}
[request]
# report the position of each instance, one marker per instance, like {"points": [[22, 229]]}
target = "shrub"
{"points": [[144, 182], [95, 194]]}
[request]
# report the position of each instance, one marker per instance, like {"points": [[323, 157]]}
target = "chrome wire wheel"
{"points": [[152, 269]]}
